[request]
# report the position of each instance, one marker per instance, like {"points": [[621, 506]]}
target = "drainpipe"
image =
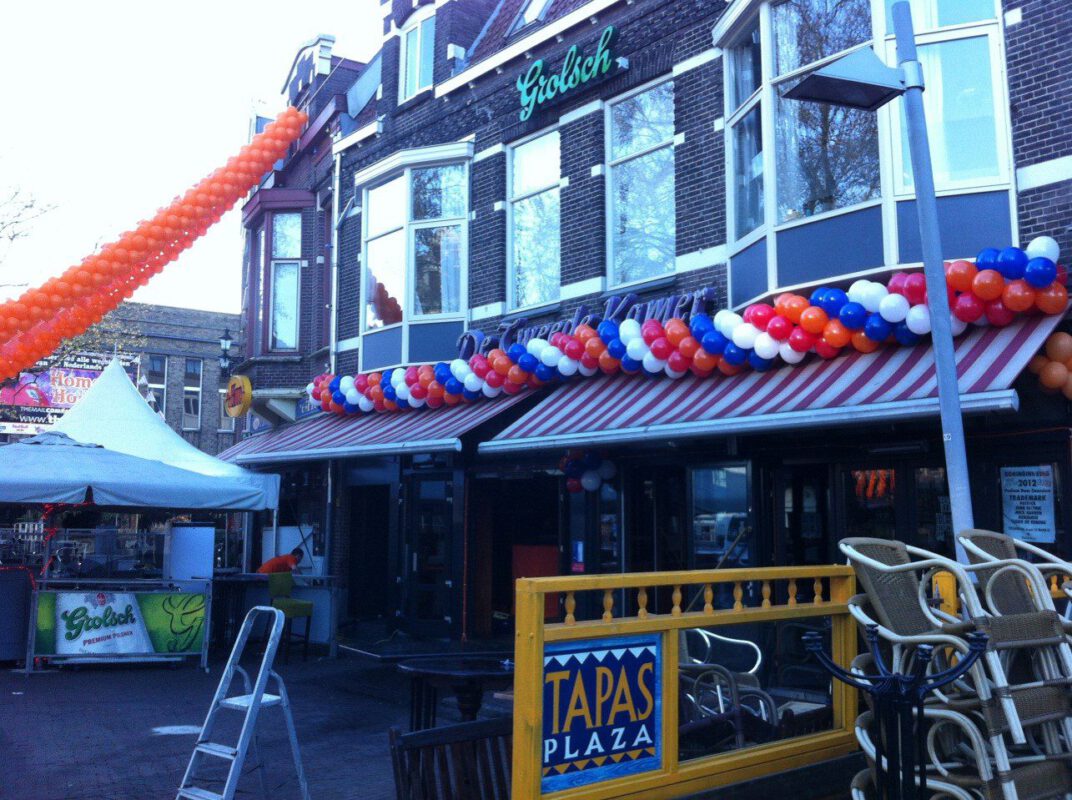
{"points": [[337, 210]]}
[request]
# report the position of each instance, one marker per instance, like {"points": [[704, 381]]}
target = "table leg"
{"points": [[470, 697]]}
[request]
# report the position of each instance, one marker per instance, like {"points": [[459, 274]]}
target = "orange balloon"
{"points": [[835, 334], [374, 378], [375, 392], [795, 305], [676, 331], [960, 275], [608, 363], [863, 344], [813, 319], [704, 361], [988, 284], [688, 347], [1051, 300], [452, 399], [1035, 365], [1054, 375], [1018, 295], [728, 369], [435, 389], [492, 355], [594, 347], [584, 332], [516, 375], [502, 365], [1059, 347]]}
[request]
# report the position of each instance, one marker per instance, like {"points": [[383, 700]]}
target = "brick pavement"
{"points": [[88, 734]]}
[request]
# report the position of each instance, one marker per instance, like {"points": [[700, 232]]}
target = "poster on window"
{"points": [[40, 395], [1027, 502]]}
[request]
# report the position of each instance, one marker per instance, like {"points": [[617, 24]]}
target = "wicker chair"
{"points": [[990, 551]]}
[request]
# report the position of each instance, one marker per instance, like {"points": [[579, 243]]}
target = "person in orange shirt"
{"points": [[284, 563]]}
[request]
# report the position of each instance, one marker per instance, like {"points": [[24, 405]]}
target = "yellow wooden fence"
{"points": [[825, 591]]}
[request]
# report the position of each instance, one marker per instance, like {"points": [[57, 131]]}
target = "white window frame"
{"points": [[519, 20], [162, 387], [408, 226], [295, 262], [558, 183], [224, 416], [415, 24], [737, 20], [197, 390], [610, 163]]}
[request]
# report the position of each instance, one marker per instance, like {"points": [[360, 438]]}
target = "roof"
{"points": [[498, 32], [889, 384]]}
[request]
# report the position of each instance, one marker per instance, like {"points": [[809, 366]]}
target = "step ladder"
{"points": [[249, 703]]}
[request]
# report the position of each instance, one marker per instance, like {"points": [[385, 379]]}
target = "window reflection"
{"points": [[384, 279], [869, 507], [810, 30], [535, 221], [439, 192], [284, 330], [437, 270], [748, 173], [746, 66], [721, 518], [934, 520]]}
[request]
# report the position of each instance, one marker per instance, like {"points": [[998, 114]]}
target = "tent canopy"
{"points": [[53, 468], [113, 415]]}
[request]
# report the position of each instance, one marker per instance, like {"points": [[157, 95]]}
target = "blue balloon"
{"points": [[470, 395], [616, 347], [905, 336], [877, 329], [385, 377], [528, 362], [987, 258], [853, 316], [700, 325], [818, 296], [442, 373], [758, 363], [630, 365], [350, 408], [389, 393], [516, 351], [714, 343], [833, 302], [734, 355], [545, 373], [453, 386], [1011, 263], [608, 331], [334, 385], [402, 403], [338, 397], [591, 460], [1040, 272], [573, 468]]}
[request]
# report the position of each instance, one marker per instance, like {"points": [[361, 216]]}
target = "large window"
{"points": [[641, 190], [535, 247], [285, 271], [414, 253], [191, 395], [156, 375], [416, 58]]}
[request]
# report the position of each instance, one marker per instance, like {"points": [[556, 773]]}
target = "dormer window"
{"points": [[532, 12], [416, 57]]}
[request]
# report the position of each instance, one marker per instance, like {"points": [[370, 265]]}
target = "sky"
{"points": [[112, 108]]}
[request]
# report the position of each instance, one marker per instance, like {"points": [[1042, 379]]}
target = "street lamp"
{"points": [[860, 80], [225, 351]]}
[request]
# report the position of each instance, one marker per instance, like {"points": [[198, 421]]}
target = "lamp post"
{"points": [[225, 352], [860, 80]]}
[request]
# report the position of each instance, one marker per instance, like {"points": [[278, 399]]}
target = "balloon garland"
{"points": [[1053, 365], [993, 290], [34, 324], [586, 470]]}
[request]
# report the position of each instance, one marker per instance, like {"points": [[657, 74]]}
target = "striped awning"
{"points": [[889, 384], [332, 436]]}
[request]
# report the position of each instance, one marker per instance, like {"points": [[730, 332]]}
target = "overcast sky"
{"points": [[112, 108]]}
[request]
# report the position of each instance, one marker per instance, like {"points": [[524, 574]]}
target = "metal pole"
{"points": [[945, 367]]}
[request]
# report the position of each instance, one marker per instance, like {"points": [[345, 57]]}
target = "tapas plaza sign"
{"points": [[537, 87]]}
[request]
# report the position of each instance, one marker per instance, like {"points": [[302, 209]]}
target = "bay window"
{"points": [[284, 277], [535, 246], [641, 211]]}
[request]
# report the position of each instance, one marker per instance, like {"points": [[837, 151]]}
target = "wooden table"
{"points": [[465, 677]]}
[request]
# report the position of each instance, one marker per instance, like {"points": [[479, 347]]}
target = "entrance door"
{"points": [[803, 519], [428, 525], [656, 539], [370, 532]]}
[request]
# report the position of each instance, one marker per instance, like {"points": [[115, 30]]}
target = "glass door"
{"points": [[427, 538], [803, 519]]}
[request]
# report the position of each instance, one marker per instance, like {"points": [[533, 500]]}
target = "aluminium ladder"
{"points": [[250, 704]]}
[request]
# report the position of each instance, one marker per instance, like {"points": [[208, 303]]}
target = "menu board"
{"points": [[1027, 503]]}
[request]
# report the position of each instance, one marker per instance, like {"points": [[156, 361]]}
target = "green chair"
{"points": [[280, 586]]}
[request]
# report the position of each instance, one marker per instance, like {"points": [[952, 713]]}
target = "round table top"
{"points": [[457, 667]]}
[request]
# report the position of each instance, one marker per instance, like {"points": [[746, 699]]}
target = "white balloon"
{"points": [[346, 383], [590, 480], [352, 395], [458, 368], [588, 372], [490, 391], [1044, 247], [789, 355], [415, 403], [720, 318], [982, 322], [766, 346], [957, 325], [918, 319], [607, 470], [872, 296], [309, 389], [894, 308], [673, 373], [402, 392], [398, 378], [857, 290], [744, 335], [628, 330], [473, 382], [730, 323], [536, 346], [550, 355], [365, 404], [636, 349], [567, 366], [651, 363]]}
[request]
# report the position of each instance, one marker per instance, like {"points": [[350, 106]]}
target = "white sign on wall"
{"points": [[1027, 503]]}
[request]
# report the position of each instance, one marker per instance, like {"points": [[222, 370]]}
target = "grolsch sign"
{"points": [[538, 85]]}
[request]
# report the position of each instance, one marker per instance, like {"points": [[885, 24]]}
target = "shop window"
{"points": [[226, 423], [610, 530], [416, 58], [722, 530], [191, 395], [934, 519], [870, 503], [535, 246], [641, 194], [156, 375]]}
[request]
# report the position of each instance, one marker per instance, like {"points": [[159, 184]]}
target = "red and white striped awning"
{"points": [[892, 383], [332, 436]]}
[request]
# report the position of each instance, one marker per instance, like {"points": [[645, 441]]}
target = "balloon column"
{"points": [[1054, 365], [34, 324], [585, 471], [991, 291]]}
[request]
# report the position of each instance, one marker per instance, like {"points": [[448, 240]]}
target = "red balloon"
{"points": [[418, 392], [651, 330], [801, 341], [678, 362], [825, 350], [998, 315], [494, 380], [590, 361], [762, 314], [574, 349], [661, 348], [968, 307], [915, 288], [573, 486], [608, 363], [896, 283], [511, 388], [779, 328]]}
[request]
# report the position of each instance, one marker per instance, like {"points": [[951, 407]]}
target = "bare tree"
{"points": [[19, 209]]}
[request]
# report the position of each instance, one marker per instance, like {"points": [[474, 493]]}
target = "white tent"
{"points": [[114, 415]]}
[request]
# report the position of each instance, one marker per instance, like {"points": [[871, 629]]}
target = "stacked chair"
{"points": [[1004, 730]]}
